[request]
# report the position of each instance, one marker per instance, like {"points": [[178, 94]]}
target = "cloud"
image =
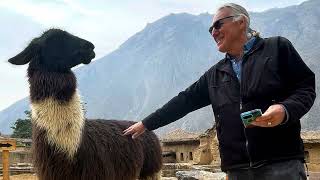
{"points": [[44, 13]]}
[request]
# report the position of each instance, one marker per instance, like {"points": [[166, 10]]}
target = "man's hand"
{"points": [[136, 130], [273, 116]]}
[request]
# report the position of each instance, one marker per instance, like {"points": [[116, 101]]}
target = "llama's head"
{"points": [[55, 50]]}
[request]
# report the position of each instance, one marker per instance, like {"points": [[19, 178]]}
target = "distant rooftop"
{"points": [[179, 135], [310, 136]]}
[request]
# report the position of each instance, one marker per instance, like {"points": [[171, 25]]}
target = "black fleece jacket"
{"points": [[272, 72]]}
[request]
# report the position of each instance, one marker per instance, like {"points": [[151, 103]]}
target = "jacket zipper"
{"points": [[240, 105], [244, 129]]}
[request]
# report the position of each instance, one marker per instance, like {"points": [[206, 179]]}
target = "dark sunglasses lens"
{"points": [[216, 26]]}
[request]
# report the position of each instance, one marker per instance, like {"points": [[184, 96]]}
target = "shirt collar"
{"points": [[249, 44], [246, 48]]}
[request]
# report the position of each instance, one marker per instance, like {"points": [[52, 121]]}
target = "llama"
{"points": [[65, 144]]}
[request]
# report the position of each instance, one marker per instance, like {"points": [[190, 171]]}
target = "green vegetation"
{"points": [[22, 128]]}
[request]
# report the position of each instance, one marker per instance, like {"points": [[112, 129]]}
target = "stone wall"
{"points": [[312, 153], [213, 146]]}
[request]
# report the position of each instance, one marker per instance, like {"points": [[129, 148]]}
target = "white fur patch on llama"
{"points": [[63, 122]]}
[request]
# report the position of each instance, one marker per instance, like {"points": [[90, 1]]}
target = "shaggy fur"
{"points": [[103, 154], [63, 122], [60, 86], [65, 145]]}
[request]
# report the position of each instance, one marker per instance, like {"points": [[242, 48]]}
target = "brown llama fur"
{"points": [[65, 144]]}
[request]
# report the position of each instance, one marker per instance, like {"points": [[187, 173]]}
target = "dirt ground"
{"points": [[22, 177]]}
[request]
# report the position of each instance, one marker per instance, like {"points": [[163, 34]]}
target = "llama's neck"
{"points": [[58, 85], [57, 109]]}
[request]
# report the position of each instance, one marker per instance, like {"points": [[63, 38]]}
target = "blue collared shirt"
{"points": [[236, 64]]}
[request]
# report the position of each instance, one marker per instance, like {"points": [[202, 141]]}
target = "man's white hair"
{"points": [[240, 12]]}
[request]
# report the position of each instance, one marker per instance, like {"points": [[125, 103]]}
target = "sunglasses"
{"points": [[218, 24]]}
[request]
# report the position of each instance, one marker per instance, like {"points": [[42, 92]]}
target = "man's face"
{"points": [[228, 32]]}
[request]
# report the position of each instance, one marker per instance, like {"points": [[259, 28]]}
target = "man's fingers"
{"points": [[135, 130], [256, 123], [136, 134], [264, 117], [128, 131], [260, 124], [272, 117]]}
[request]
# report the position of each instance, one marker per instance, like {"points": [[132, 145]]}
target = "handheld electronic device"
{"points": [[249, 116]]}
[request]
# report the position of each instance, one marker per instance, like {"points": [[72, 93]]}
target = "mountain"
{"points": [[170, 54]]}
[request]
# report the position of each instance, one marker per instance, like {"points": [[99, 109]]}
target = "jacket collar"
{"points": [[224, 64]]}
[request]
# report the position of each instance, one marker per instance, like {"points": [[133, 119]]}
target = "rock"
{"points": [[177, 166], [200, 175], [168, 178], [170, 169]]}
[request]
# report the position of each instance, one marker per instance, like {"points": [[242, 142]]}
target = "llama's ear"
{"points": [[25, 56]]}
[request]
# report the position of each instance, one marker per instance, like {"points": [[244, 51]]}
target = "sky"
{"points": [[106, 23]]}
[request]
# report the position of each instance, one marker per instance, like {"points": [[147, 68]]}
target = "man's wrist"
{"points": [[286, 116]]}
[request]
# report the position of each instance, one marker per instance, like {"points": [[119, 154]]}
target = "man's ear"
{"points": [[26, 55], [243, 22]]}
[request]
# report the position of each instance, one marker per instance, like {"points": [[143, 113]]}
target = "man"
{"points": [[256, 73]]}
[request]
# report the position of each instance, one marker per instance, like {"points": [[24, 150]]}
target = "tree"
{"points": [[22, 128]]}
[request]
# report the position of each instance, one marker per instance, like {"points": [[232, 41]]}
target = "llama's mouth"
{"points": [[89, 58]]}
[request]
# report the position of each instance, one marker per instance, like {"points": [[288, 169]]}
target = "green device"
{"points": [[249, 116]]}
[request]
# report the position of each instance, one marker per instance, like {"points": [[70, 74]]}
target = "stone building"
{"points": [[311, 141], [210, 148], [181, 146], [184, 147]]}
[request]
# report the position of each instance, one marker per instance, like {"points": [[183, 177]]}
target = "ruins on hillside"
{"points": [[180, 146], [311, 141]]}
